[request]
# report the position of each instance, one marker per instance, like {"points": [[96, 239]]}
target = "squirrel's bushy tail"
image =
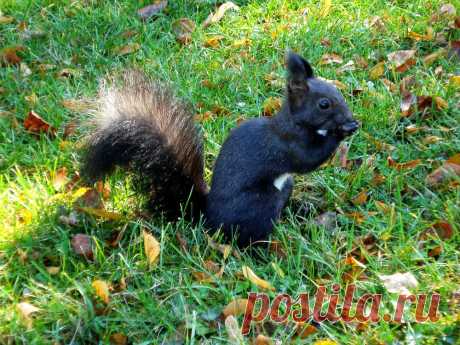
{"points": [[143, 127]]}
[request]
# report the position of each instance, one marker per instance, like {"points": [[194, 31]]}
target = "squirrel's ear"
{"points": [[299, 70], [298, 67]]}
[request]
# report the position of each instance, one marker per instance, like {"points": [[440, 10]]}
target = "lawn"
{"points": [[390, 208]]}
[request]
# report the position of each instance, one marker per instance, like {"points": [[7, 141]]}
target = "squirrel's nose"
{"points": [[350, 127]]}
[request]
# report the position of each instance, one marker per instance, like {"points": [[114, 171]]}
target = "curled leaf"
{"points": [[34, 124], [151, 247], [236, 307], [402, 60], [251, 276], [216, 17]]}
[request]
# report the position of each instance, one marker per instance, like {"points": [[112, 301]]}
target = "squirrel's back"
{"points": [[142, 126]]}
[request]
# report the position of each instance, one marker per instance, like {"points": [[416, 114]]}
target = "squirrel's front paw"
{"points": [[349, 128]]}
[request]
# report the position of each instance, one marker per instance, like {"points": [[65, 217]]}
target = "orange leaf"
{"points": [[101, 289], [360, 199], [36, 125], [151, 247], [329, 59], [403, 166]]}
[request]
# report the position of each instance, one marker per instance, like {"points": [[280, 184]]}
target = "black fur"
{"points": [[243, 200]]}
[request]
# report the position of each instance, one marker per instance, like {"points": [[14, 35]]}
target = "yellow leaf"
{"points": [[326, 8], [263, 340], [377, 71], [97, 212], [152, 248], [213, 42], [236, 307], [225, 249], [325, 342], [455, 81], [101, 289], [251, 276], [26, 310], [53, 270]]}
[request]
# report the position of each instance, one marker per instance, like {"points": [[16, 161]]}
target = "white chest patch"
{"points": [[280, 181], [322, 132]]}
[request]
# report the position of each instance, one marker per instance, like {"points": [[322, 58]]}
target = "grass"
{"points": [[166, 304]]}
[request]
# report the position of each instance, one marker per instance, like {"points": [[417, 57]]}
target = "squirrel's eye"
{"points": [[324, 103]]}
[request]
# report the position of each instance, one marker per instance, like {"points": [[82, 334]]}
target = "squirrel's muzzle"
{"points": [[349, 128]]}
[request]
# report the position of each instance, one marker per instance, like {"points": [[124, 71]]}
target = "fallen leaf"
{"points": [[325, 342], [325, 8], [305, 330], [152, 10], [407, 83], [60, 178], [351, 261], [101, 288], [447, 10], [9, 56], [263, 340], [431, 139], [211, 266], [89, 198], [78, 105], [429, 59], [236, 307], [53, 270], [24, 69], [82, 244], [118, 339], [382, 207], [375, 22], [152, 248], [407, 101], [455, 81], [445, 172], [103, 189], [32, 99], [403, 166], [34, 124], [224, 249], [441, 229], [378, 179], [127, 49], [399, 283], [100, 213], [360, 199], [390, 86], [6, 20], [422, 37], [216, 17], [251, 276], [245, 42], [183, 29], [213, 42], [26, 310], [377, 71], [233, 331], [329, 59], [402, 60], [271, 106]]}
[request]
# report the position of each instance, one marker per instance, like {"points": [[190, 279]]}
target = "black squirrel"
{"points": [[147, 130]]}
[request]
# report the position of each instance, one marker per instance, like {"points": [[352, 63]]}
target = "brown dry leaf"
{"points": [[358, 217], [442, 229], [233, 331], [251, 276], [100, 213], [431, 139], [26, 310], [445, 172], [9, 56], [360, 199], [360, 61], [263, 340], [6, 20], [375, 22], [403, 166], [118, 339], [183, 29], [440, 103], [34, 124], [407, 83], [60, 178], [216, 17], [390, 86], [127, 49], [152, 10], [101, 288], [329, 59], [213, 42], [348, 67], [342, 154], [325, 8], [89, 198], [382, 207], [103, 189], [407, 102], [211, 266], [402, 60], [413, 129], [151, 247], [224, 249], [377, 71], [303, 331], [236, 307], [424, 103], [378, 180], [271, 106], [399, 282], [429, 59], [78, 105], [82, 244]]}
